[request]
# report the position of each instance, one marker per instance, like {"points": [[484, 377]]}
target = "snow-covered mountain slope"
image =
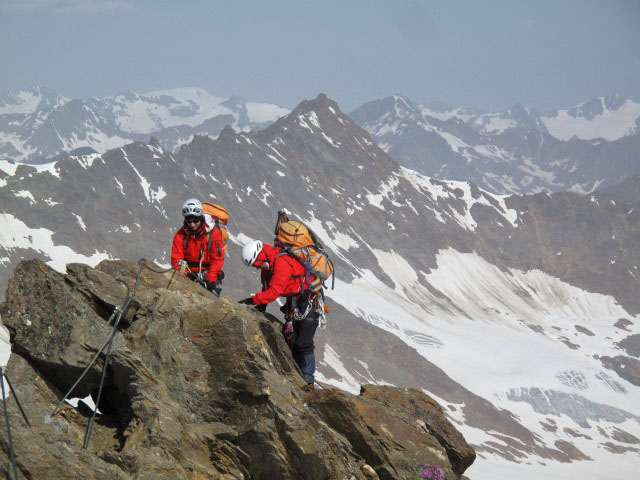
{"points": [[517, 116], [509, 152], [24, 102], [611, 117], [38, 123], [526, 341], [519, 314]]}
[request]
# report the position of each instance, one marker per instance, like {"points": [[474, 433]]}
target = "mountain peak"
{"points": [[321, 102], [34, 98]]}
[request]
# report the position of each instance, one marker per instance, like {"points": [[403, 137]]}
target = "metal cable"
{"points": [[6, 417]]}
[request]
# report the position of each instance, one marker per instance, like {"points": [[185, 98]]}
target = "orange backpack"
{"points": [[217, 216], [301, 243], [216, 211]]}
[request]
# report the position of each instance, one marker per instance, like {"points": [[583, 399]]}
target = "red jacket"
{"points": [[197, 244], [285, 277]]}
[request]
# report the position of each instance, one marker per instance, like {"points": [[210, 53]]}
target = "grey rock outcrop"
{"points": [[197, 387]]}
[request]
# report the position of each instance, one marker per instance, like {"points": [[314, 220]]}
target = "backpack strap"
{"points": [[217, 225], [306, 276]]}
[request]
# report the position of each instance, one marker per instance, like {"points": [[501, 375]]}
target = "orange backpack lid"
{"points": [[217, 211], [294, 234]]}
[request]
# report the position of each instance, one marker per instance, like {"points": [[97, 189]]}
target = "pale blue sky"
{"points": [[486, 54]]}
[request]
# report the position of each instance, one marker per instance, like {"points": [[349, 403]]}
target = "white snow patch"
{"points": [[264, 112], [119, 185], [26, 194], [610, 125], [80, 222], [87, 400], [15, 234], [5, 346], [346, 381]]}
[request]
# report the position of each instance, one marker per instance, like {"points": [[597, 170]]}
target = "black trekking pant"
{"points": [[301, 345]]}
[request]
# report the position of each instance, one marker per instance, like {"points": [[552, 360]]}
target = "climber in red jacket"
{"points": [[284, 276], [202, 250]]}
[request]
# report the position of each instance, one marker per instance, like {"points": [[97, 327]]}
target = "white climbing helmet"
{"points": [[192, 206], [250, 251]]}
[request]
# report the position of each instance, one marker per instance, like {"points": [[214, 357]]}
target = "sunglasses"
{"points": [[193, 220]]}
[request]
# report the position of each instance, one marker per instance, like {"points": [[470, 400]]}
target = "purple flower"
{"points": [[432, 472]]}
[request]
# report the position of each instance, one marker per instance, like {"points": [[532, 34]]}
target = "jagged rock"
{"points": [[626, 367], [198, 387], [395, 429], [631, 345]]}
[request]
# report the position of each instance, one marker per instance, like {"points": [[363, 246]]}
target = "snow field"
{"points": [[610, 125], [481, 339]]}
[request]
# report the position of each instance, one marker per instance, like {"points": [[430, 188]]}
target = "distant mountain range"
{"points": [[38, 123], [593, 145], [610, 118]]}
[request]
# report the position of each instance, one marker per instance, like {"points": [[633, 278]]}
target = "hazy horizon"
{"points": [[488, 55]]}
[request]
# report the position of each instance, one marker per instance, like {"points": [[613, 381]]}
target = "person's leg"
{"points": [[303, 347], [308, 367]]}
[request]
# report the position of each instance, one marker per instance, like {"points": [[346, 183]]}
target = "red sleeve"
{"points": [[177, 249], [282, 272], [216, 255]]}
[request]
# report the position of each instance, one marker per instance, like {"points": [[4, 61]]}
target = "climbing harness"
{"points": [[3, 377]]}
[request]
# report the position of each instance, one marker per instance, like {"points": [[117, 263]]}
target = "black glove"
{"points": [[261, 308], [211, 286], [192, 276], [221, 275], [247, 301]]}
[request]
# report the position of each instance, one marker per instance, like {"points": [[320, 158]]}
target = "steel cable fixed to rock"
{"points": [[12, 457], [117, 313], [116, 316]]}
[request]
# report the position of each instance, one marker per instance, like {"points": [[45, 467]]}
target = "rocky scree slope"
{"points": [[198, 387]]}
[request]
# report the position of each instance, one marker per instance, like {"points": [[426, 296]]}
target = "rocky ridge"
{"points": [[198, 387]]}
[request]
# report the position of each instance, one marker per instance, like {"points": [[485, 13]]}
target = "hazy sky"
{"points": [[486, 54]]}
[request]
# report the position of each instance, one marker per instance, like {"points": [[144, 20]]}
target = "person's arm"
{"points": [[177, 249], [216, 256], [282, 272]]}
